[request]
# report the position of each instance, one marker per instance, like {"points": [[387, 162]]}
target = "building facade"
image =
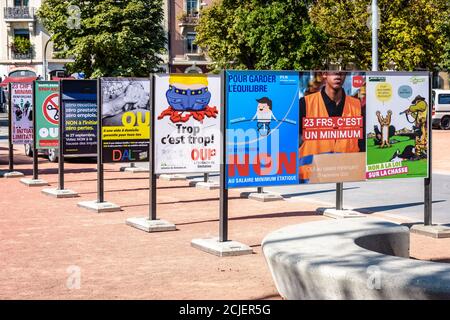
{"points": [[23, 42], [184, 56]]}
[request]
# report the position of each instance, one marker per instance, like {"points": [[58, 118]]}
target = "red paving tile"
{"points": [[41, 238]]}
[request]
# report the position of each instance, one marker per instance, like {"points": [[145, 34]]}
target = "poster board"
{"points": [[47, 114], [187, 123], [261, 128], [79, 117], [22, 112], [332, 117], [397, 124], [125, 106]]}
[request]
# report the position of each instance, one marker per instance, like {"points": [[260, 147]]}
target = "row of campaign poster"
{"points": [[283, 127], [289, 127]]}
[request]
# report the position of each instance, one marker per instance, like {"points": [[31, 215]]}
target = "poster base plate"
{"points": [[208, 185], [265, 196], [173, 177], [193, 183], [434, 231], [13, 174], [33, 182], [147, 225], [99, 206], [134, 169], [340, 214], [57, 193], [221, 249]]}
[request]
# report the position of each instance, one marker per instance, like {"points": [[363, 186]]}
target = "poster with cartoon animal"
{"points": [[22, 112], [397, 125], [187, 123]]}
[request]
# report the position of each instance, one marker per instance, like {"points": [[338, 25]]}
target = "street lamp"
{"points": [[44, 59], [375, 35]]}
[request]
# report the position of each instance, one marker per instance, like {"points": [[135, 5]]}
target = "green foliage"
{"points": [[21, 45], [114, 38], [259, 34], [410, 36], [265, 34]]}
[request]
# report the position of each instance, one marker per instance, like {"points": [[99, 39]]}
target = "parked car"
{"points": [[51, 154], [440, 102]]}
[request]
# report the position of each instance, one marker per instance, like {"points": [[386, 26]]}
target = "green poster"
{"points": [[397, 124], [47, 114]]}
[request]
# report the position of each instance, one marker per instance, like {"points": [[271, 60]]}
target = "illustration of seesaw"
{"points": [[237, 120]]}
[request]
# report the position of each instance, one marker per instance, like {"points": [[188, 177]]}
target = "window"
{"points": [[444, 99], [190, 46], [192, 7], [20, 3], [22, 73], [22, 33]]}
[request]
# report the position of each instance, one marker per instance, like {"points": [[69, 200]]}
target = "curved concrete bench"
{"points": [[351, 259]]}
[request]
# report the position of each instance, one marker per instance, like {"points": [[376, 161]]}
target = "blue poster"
{"points": [[262, 128], [79, 117]]}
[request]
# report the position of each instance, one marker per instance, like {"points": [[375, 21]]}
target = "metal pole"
{"points": [[100, 182], [339, 196], [169, 35], [44, 61], [61, 139], [205, 177], [375, 35], [223, 225], [10, 144], [428, 200], [35, 151], [151, 162], [259, 190]]}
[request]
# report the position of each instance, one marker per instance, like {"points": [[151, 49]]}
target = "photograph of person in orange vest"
{"points": [[332, 110]]}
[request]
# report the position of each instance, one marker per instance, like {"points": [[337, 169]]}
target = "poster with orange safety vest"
{"points": [[397, 124], [332, 137], [125, 107], [187, 123], [261, 128]]}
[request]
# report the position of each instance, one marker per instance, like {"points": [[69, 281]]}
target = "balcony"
{"points": [[22, 56], [19, 14], [194, 56], [187, 21]]}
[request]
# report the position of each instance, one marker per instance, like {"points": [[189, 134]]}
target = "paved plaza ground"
{"points": [[42, 240]]}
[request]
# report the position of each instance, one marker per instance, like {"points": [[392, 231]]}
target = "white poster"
{"points": [[397, 125], [187, 123], [22, 112]]}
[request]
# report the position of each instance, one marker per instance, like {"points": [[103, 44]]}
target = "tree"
{"points": [[410, 34], [107, 37], [259, 34], [445, 63]]}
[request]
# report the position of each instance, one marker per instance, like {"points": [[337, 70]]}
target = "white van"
{"points": [[441, 108]]}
